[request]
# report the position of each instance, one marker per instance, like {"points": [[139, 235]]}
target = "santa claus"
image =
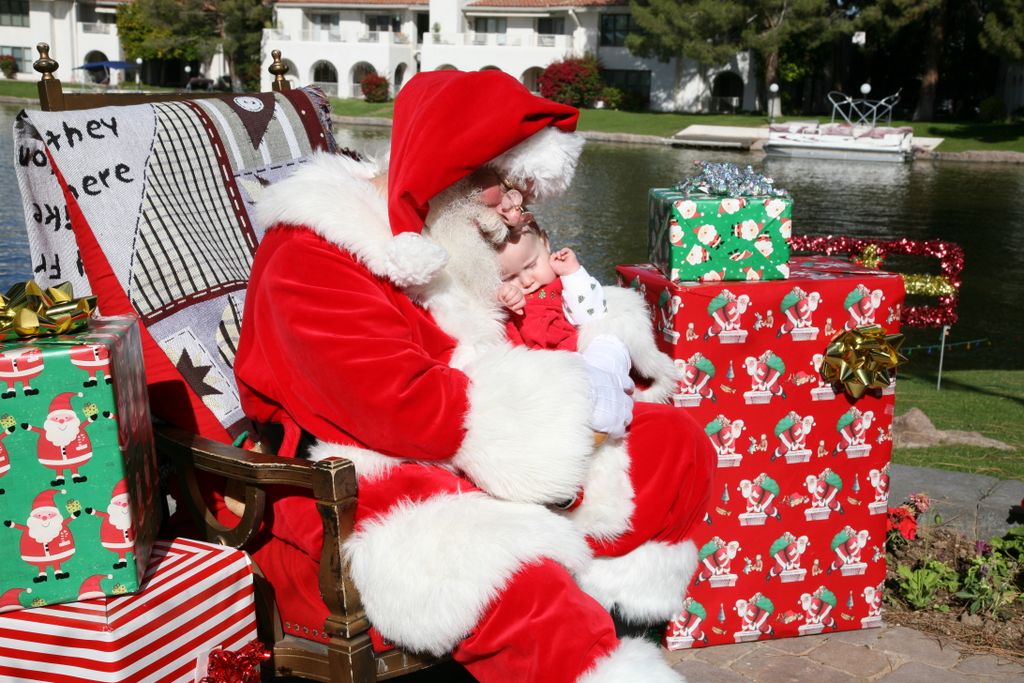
{"points": [[7, 426], [46, 540], [11, 599], [20, 365], [63, 444], [92, 587], [116, 532], [94, 359], [371, 324]]}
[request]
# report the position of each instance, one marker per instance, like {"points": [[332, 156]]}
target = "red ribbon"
{"points": [[236, 666]]}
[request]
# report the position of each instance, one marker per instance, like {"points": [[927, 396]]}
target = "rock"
{"points": [[913, 429], [972, 620]]}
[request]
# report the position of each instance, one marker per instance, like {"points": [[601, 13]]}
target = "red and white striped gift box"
{"points": [[195, 597]]}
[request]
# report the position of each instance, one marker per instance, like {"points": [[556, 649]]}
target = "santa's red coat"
{"points": [[113, 539], [333, 348], [60, 458]]}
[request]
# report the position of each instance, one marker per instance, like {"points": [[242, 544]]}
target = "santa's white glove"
{"points": [[611, 387]]}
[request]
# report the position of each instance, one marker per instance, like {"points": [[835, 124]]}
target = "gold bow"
{"points": [[27, 310], [862, 359]]}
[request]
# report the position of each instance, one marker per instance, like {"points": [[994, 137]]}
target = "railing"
{"points": [[474, 39], [329, 87], [321, 36], [97, 27], [860, 111], [725, 105]]}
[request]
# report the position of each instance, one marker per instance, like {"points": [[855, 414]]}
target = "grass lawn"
{"points": [[990, 402]]}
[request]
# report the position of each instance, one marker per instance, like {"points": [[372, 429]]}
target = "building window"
{"points": [[383, 23], [88, 14], [13, 12], [23, 55], [635, 86], [490, 24], [551, 26], [614, 28]]}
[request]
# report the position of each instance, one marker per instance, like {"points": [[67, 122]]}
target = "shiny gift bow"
{"points": [[241, 666], [862, 359], [27, 310]]}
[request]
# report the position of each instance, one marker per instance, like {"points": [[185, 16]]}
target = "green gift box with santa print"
{"points": [[696, 237], [78, 476]]}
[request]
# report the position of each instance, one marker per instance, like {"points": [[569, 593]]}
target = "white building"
{"points": [[334, 43]]}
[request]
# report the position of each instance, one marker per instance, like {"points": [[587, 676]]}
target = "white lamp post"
{"points": [[865, 89], [773, 94], [188, 77], [138, 70]]}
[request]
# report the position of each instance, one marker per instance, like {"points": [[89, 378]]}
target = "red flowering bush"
{"points": [[575, 81], [901, 525], [375, 88], [8, 65]]}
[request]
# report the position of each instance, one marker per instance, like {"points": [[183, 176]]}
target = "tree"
{"points": [[191, 30], [1002, 31], [712, 31], [242, 23], [167, 29]]}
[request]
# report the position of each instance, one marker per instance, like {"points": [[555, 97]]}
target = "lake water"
{"points": [[980, 206]]}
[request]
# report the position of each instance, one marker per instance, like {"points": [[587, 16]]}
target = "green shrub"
{"points": [[992, 109], [611, 97], [8, 65], [575, 81], [374, 87]]}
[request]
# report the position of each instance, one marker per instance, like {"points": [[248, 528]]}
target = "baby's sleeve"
{"points": [[582, 297]]}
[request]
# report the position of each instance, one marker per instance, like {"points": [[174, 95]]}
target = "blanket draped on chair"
{"points": [[148, 207]]}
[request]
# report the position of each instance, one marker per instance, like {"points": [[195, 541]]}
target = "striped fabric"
{"points": [[196, 597]]}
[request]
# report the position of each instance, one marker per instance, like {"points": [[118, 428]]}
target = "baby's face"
{"points": [[526, 263]]}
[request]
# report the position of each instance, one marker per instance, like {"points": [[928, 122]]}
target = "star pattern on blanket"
{"points": [[195, 375]]}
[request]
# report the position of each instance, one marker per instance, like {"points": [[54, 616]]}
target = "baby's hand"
{"points": [[512, 297], [564, 262]]}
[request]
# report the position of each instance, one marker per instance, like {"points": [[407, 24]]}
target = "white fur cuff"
{"points": [[426, 571], [548, 158], [632, 660], [527, 436], [644, 586]]}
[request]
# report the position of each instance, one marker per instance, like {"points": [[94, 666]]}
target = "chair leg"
{"points": [[351, 660]]}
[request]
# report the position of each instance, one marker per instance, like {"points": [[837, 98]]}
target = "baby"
{"points": [[549, 294]]}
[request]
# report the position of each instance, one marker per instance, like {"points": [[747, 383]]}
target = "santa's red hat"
{"points": [[11, 599], [62, 401], [449, 123], [91, 587], [120, 489], [44, 501]]}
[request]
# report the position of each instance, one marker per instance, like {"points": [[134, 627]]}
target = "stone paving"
{"points": [[894, 654]]}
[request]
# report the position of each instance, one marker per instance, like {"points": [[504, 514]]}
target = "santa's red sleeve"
{"points": [[333, 349]]}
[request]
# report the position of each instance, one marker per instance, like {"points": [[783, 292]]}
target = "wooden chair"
{"points": [[348, 656]]}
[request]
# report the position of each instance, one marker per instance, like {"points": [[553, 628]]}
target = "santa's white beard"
{"points": [[44, 530], [470, 232], [61, 434], [119, 516]]}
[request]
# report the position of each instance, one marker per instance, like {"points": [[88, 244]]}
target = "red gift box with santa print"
{"points": [[196, 597], [78, 479], [793, 541]]}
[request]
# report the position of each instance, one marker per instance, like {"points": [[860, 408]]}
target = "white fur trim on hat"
{"points": [[527, 437], [548, 158], [426, 571], [632, 660], [644, 586]]}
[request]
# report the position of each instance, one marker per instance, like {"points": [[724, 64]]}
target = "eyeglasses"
{"points": [[512, 200]]}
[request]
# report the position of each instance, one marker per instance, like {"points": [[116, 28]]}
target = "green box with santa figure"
{"points": [[723, 224], [78, 478]]}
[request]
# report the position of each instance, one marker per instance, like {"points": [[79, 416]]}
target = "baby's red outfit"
{"points": [[543, 324]]}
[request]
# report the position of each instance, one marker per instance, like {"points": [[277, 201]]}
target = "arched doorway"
{"points": [[399, 78], [101, 74], [360, 71], [531, 79], [325, 77], [445, 67], [727, 92]]}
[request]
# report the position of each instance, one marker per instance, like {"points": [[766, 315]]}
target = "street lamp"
{"points": [[865, 89], [138, 70], [773, 92], [188, 77]]}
